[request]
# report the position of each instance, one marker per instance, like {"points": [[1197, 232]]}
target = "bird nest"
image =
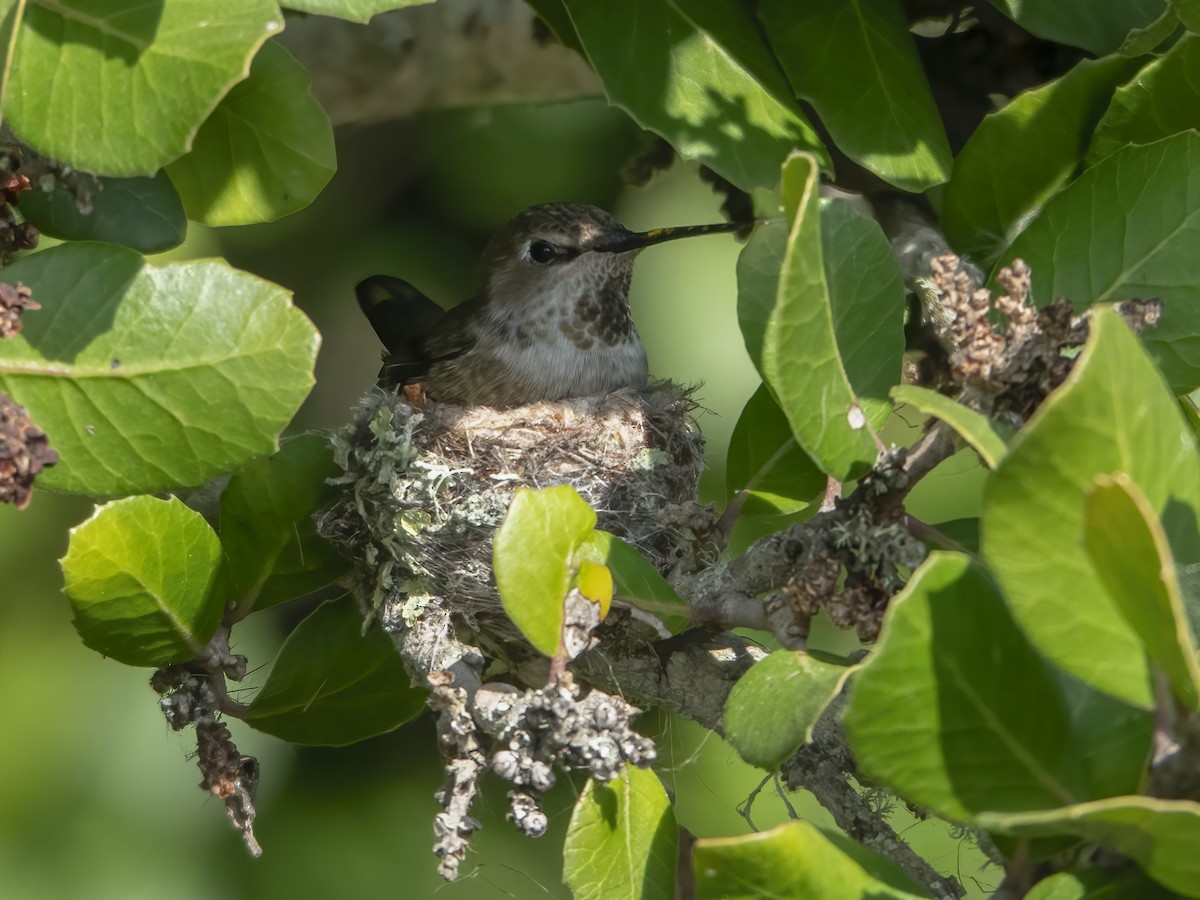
{"points": [[426, 486]]}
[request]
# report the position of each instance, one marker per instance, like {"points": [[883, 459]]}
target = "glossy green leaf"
{"points": [[866, 297], [622, 840], [149, 377], [687, 88], [956, 711], [353, 10], [1151, 37], [795, 861], [1189, 14], [332, 685], [788, 325], [143, 213], [532, 559], [772, 709], [272, 550], [972, 427], [142, 575], [995, 189], [1113, 414], [635, 578], [1097, 884], [12, 14], [1129, 227], [1126, 544], [1097, 27], [856, 63], [121, 89], [554, 14], [764, 455], [1164, 99], [1161, 836], [265, 152]]}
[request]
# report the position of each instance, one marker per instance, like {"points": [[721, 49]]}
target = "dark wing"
{"points": [[403, 318]]}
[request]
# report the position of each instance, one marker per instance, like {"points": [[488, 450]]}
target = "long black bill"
{"points": [[636, 240]]}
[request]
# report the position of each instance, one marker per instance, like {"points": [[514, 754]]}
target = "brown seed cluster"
{"points": [[24, 453], [14, 300]]}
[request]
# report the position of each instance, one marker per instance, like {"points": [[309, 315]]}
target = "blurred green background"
{"points": [[98, 798]]}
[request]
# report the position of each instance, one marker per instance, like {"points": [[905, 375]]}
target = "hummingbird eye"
{"points": [[542, 252]]}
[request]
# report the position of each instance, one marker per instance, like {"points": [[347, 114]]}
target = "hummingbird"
{"points": [[550, 318]]}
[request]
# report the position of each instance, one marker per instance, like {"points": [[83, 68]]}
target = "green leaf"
{"points": [[143, 213], [265, 152], [956, 710], [1097, 884], [995, 189], [272, 551], [787, 323], [331, 685], [1129, 227], [532, 559], [866, 297], [1149, 38], [121, 89], [688, 89], [772, 709], [151, 377], [622, 840], [857, 65], [12, 14], [1164, 99], [635, 578], [1097, 27], [795, 861], [1189, 14], [1126, 544], [1161, 836], [142, 575], [353, 10], [972, 427], [1113, 414], [764, 453]]}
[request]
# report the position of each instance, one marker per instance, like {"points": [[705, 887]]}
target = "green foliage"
{"points": [[1135, 218], [1099, 28], [143, 578], [993, 191], [122, 90], [1159, 835], [144, 214], [266, 150], [765, 459], [1164, 99], [690, 89], [1129, 549], [972, 427], [635, 578], [1113, 414], [857, 65], [793, 862], [957, 711], [533, 560], [272, 552], [784, 308], [333, 685], [354, 10], [154, 377], [771, 711], [622, 840]]}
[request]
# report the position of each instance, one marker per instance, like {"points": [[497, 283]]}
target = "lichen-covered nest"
{"points": [[426, 487]]}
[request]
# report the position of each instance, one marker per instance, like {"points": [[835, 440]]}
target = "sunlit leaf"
{"points": [[150, 377], [142, 575]]}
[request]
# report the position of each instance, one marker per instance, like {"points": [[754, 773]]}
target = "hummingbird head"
{"points": [[564, 256]]}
